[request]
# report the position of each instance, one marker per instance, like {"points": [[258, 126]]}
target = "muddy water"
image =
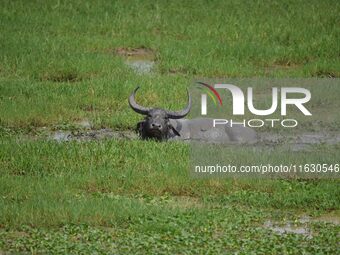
{"points": [[288, 228], [91, 135], [302, 138], [267, 141], [302, 225], [141, 66], [141, 60], [299, 142]]}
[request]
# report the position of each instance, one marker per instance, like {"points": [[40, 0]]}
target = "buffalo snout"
{"points": [[156, 125]]}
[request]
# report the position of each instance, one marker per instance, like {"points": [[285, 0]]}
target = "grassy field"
{"points": [[60, 64]]}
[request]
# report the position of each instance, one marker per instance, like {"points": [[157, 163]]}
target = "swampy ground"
{"points": [[67, 68]]}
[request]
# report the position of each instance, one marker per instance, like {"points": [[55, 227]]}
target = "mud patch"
{"points": [[328, 218], [301, 142], [91, 135], [298, 142], [62, 76], [61, 136], [142, 52], [325, 74]]}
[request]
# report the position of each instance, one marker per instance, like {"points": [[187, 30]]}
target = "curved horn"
{"points": [[136, 107], [183, 113]]}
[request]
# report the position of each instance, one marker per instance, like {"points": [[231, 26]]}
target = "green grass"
{"points": [[128, 196], [58, 65], [58, 60]]}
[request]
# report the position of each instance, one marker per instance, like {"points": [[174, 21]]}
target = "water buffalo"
{"points": [[162, 124]]}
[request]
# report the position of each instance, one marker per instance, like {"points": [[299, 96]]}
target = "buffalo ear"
{"points": [[140, 127], [175, 131]]}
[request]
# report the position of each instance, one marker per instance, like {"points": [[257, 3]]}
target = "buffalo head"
{"points": [[157, 124]]}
